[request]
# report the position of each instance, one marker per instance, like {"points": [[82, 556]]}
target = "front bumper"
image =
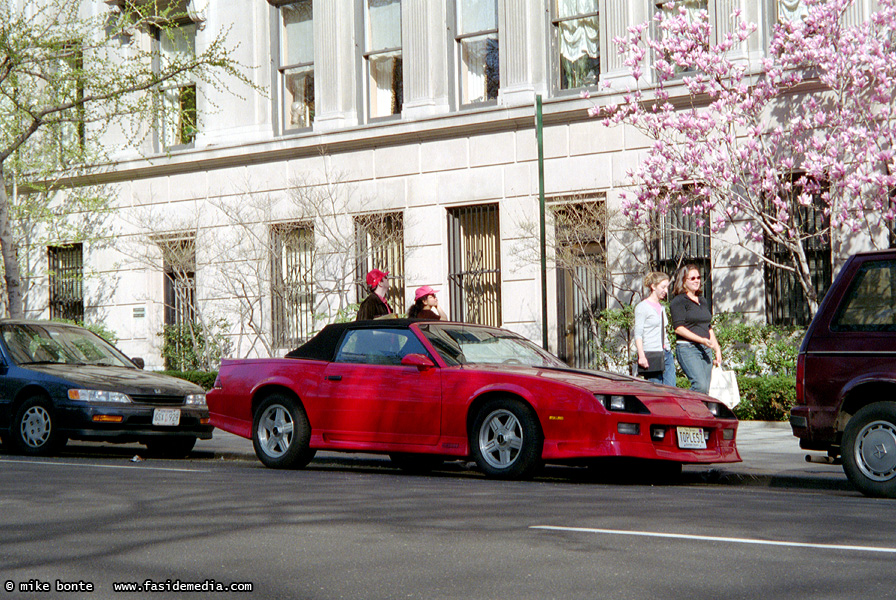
{"points": [[129, 422]]}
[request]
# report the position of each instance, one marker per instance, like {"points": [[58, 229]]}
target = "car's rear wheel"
{"points": [[281, 433], [416, 463], [506, 440], [171, 447], [34, 428], [869, 449]]}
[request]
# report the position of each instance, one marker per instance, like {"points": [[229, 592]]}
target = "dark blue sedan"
{"points": [[61, 382]]}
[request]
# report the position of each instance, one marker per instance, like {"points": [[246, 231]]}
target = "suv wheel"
{"points": [[869, 449]]}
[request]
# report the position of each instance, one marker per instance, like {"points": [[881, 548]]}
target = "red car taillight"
{"points": [[800, 376]]}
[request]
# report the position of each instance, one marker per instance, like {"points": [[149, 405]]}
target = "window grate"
{"points": [[292, 252], [66, 275], [379, 244], [475, 264]]}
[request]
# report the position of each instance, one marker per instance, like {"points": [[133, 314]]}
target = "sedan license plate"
{"points": [[168, 417], [691, 437]]}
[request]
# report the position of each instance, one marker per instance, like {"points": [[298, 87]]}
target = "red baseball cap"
{"points": [[423, 292], [375, 277]]}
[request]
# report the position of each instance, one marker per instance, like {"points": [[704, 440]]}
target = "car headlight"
{"points": [[719, 410], [628, 404], [98, 396], [195, 399]]}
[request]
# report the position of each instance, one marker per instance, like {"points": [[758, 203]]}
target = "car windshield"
{"points": [[57, 344], [460, 344]]}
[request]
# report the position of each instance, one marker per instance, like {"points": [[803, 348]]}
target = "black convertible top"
{"points": [[323, 345]]}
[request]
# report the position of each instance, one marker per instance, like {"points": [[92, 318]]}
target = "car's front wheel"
{"points": [[281, 433], [170, 447], [869, 449], [34, 428], [506, 440]]}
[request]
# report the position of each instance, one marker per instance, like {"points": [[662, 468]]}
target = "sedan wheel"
{"points": [[34, 429], [869, 449], [507, 440], [281, 434]]}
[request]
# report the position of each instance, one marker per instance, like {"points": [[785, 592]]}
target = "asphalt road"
{"points": [[352, 527]]}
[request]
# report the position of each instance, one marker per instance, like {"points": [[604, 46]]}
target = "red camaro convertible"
{"points": [[425, 391]]}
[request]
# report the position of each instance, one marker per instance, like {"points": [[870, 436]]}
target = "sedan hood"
{"points": [[119, 379]]}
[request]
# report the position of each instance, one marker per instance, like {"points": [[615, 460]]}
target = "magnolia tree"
{"points": [[760, 145]]}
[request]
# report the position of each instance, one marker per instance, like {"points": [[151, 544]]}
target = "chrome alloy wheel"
{"points": [[500, 438], [875, 450], [36, 426], [275, 431]]}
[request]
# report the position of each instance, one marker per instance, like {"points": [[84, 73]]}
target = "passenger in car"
{"points": [[426, 305], [375, 305]]}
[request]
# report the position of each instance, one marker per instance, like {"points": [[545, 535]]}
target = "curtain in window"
{"points": [[792, 10], [579, 41]]}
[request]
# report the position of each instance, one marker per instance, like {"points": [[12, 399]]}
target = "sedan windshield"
{"points": [[58, 344], [461, 344]]}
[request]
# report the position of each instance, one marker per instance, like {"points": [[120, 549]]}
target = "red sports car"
{"points": [[425, 391]]}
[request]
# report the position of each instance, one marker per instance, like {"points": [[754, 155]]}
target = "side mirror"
{"points": [[138, 362], [420, 361]]}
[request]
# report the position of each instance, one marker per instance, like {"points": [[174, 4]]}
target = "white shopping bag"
{"points": [[723, 387]]}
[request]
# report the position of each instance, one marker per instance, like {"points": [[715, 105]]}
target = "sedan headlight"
{"points": [[98, 396], [195, 399]]}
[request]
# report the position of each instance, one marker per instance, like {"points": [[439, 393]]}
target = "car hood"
{"points": [[660, 398], [119, 379]]}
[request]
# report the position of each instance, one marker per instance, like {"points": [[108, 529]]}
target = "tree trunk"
{"points": [[804, 276], [10, 254]]}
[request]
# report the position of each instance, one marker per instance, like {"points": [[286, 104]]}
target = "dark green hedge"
{"points": [[203, 379]]}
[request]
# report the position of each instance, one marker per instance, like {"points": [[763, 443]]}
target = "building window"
{"points": [[383, 57], [577, 42], [379, 244], [791, 10], [292, 251], [682, 239], [581, 261], [297, 64], [66, 274], [177, 96], [68, 77], [692, 9], [785, 301], [477, 41], [474, 269], [179, 267]]}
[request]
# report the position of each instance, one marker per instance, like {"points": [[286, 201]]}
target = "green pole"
{"points": [[539, 134]]}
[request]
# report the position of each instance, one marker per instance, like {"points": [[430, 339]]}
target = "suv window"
{"points": [[870, 303]]}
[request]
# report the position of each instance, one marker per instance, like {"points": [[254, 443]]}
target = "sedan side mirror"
{"points": [[138, 362], [421, 361]]}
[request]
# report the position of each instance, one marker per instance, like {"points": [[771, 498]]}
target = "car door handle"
{"points": [[334, 377]]}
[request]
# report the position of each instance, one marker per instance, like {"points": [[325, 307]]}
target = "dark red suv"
{"points": [[846, 374]]}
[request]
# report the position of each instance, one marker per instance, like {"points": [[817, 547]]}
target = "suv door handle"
{"points": [[334, 377]]}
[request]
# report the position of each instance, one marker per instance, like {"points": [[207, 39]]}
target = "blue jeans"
{"points": [[667, 377], [696, 362]]}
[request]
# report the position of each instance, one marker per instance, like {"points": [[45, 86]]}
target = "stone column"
{"points": [[336, 75], [524, 51], [425, 58]]}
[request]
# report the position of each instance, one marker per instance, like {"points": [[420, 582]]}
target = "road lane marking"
{"points": [[709, 538], [63, 464]]}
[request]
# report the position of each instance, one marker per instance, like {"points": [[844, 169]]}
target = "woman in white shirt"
{"points": [[650, 332]]}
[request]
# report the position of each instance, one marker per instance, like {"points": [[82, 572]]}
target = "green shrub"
{"points": [[203, 379], [765, 398]]}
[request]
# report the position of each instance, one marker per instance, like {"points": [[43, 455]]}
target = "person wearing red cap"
{"points": [[426, 305], [375, 304]]}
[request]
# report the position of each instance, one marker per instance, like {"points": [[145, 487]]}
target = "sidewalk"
{"points": [[771, 458]]}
